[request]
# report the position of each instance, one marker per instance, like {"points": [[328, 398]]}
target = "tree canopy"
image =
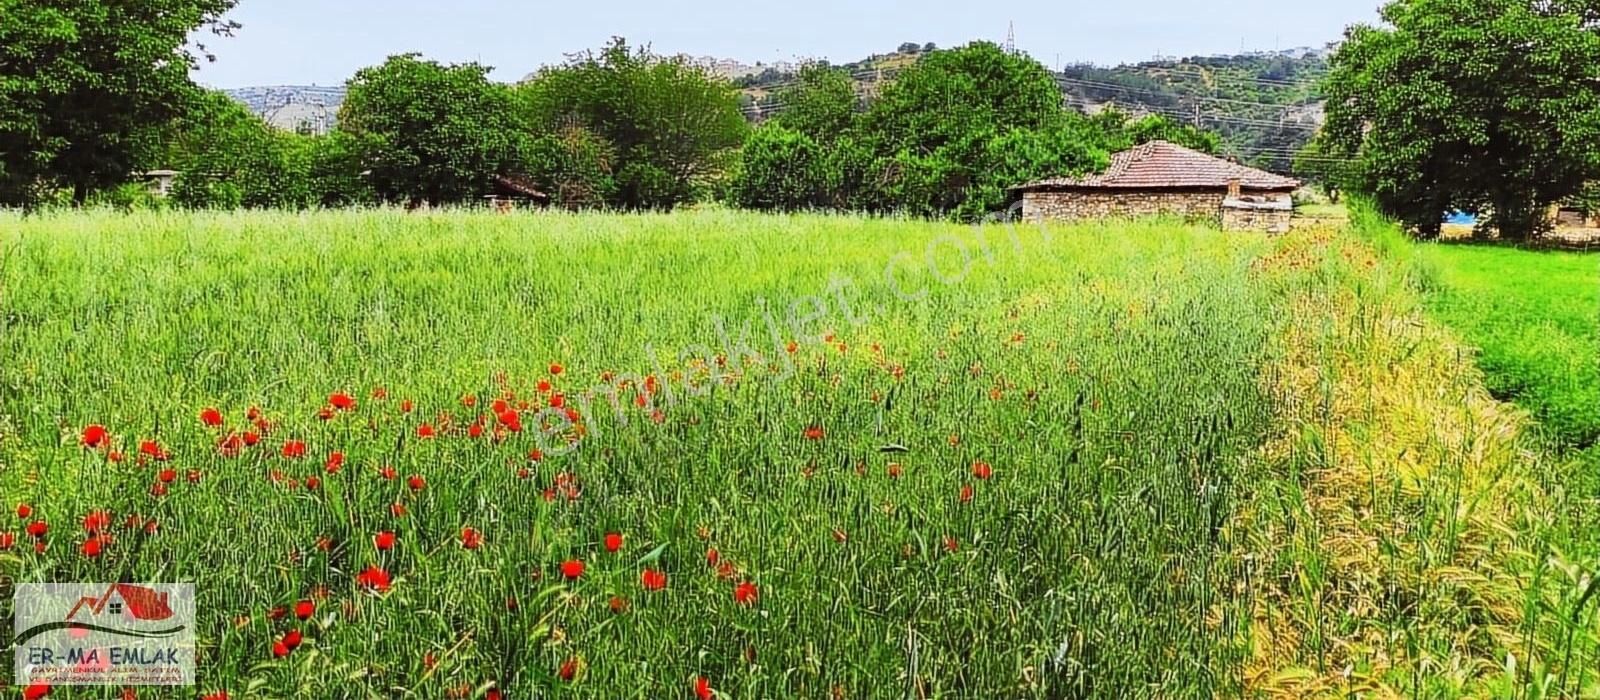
{"points": [[1486, 106], [87, 86], [671, 126], [429, 132]]}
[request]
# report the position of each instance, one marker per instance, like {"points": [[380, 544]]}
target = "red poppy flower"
{"points": [[556, 368], [294, 449], [524, 473], [702, 688], [211, 417], [153, 450], [492, 694], [814, 432], [251, 439], [425, 432], [384, 540], [569, 669], [94, 436], [470, 538], [230, 445], [380, 393], [966, 493], [544, 387], [511, 420], [24, 510], [475, 431], [653, 580], [279, 649], [745, 593], [335, 461], [97, 521], [7, 540], [167, 476], [388, 472], [341, 401], [951, 545], [37, 529], [982, 470], [572, 569], [158, 489], [557, 400], [416, 482], [219, 695], [313, 483], [398, 510], [712, 557], [613, 542], [305, 609], [293, 639], [406, 405], [194, 476], [37, 691], [373, 578], [92, 547]]}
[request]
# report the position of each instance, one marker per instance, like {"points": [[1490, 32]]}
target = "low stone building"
{"points": [[1162, 178]]}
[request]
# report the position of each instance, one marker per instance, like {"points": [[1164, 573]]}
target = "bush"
{"points": [[781, 169]]}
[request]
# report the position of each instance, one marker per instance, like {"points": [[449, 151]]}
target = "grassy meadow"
{"points": [[1535, 315], [716, 454]]}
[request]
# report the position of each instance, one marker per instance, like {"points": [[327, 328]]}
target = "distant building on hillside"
{"points": [[1164, 178]]}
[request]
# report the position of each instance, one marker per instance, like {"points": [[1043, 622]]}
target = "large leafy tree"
{"points": [[86, 86], [671, 125], [952, 132], [429, 132], [1490, 106], [228, 156]]}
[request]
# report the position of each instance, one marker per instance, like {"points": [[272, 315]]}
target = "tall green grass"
{"points": [[1111, 375]]}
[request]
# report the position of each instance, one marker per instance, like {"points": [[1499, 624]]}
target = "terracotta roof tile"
{"points": [[1164, 165]]}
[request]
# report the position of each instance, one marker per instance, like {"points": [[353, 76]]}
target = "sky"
{"points": [[323, 42]]}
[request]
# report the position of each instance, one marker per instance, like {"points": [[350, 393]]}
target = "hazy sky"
{"points": [[324, 41]]}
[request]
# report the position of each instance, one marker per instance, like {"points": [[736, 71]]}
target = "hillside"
{"points": [[308, 108], [1266, 105]]}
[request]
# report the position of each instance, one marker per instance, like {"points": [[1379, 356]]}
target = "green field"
{"points": [[1535, 316], [846, 458]]}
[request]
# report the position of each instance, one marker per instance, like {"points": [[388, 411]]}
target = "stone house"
{"points": [[1162, 178]]}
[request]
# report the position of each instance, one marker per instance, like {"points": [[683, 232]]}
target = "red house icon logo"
{"points": [[137, 602]]}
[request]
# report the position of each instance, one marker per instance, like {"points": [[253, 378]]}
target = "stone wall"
{"points": [[1245, 219], [1077, 205]]}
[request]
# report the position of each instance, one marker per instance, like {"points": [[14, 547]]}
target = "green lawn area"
{"points": [[1535, 315]]}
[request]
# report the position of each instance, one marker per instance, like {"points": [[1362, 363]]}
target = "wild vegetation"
{"points": [[1533, 315], [791, 455]]}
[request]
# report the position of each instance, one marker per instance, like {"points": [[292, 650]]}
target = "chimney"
{"points": [[1233, 188]]}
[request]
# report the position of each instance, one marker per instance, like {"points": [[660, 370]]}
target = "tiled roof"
{"points": [[1164, 165]]}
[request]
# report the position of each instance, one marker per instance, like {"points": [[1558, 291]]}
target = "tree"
{"points": [[86, 86], [780, 169], [1488, 106], [672, 126], [822, 103], [574, 165], [227, 156], [1155, 127], [937, 132], [909, 47], [430, 132]]}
